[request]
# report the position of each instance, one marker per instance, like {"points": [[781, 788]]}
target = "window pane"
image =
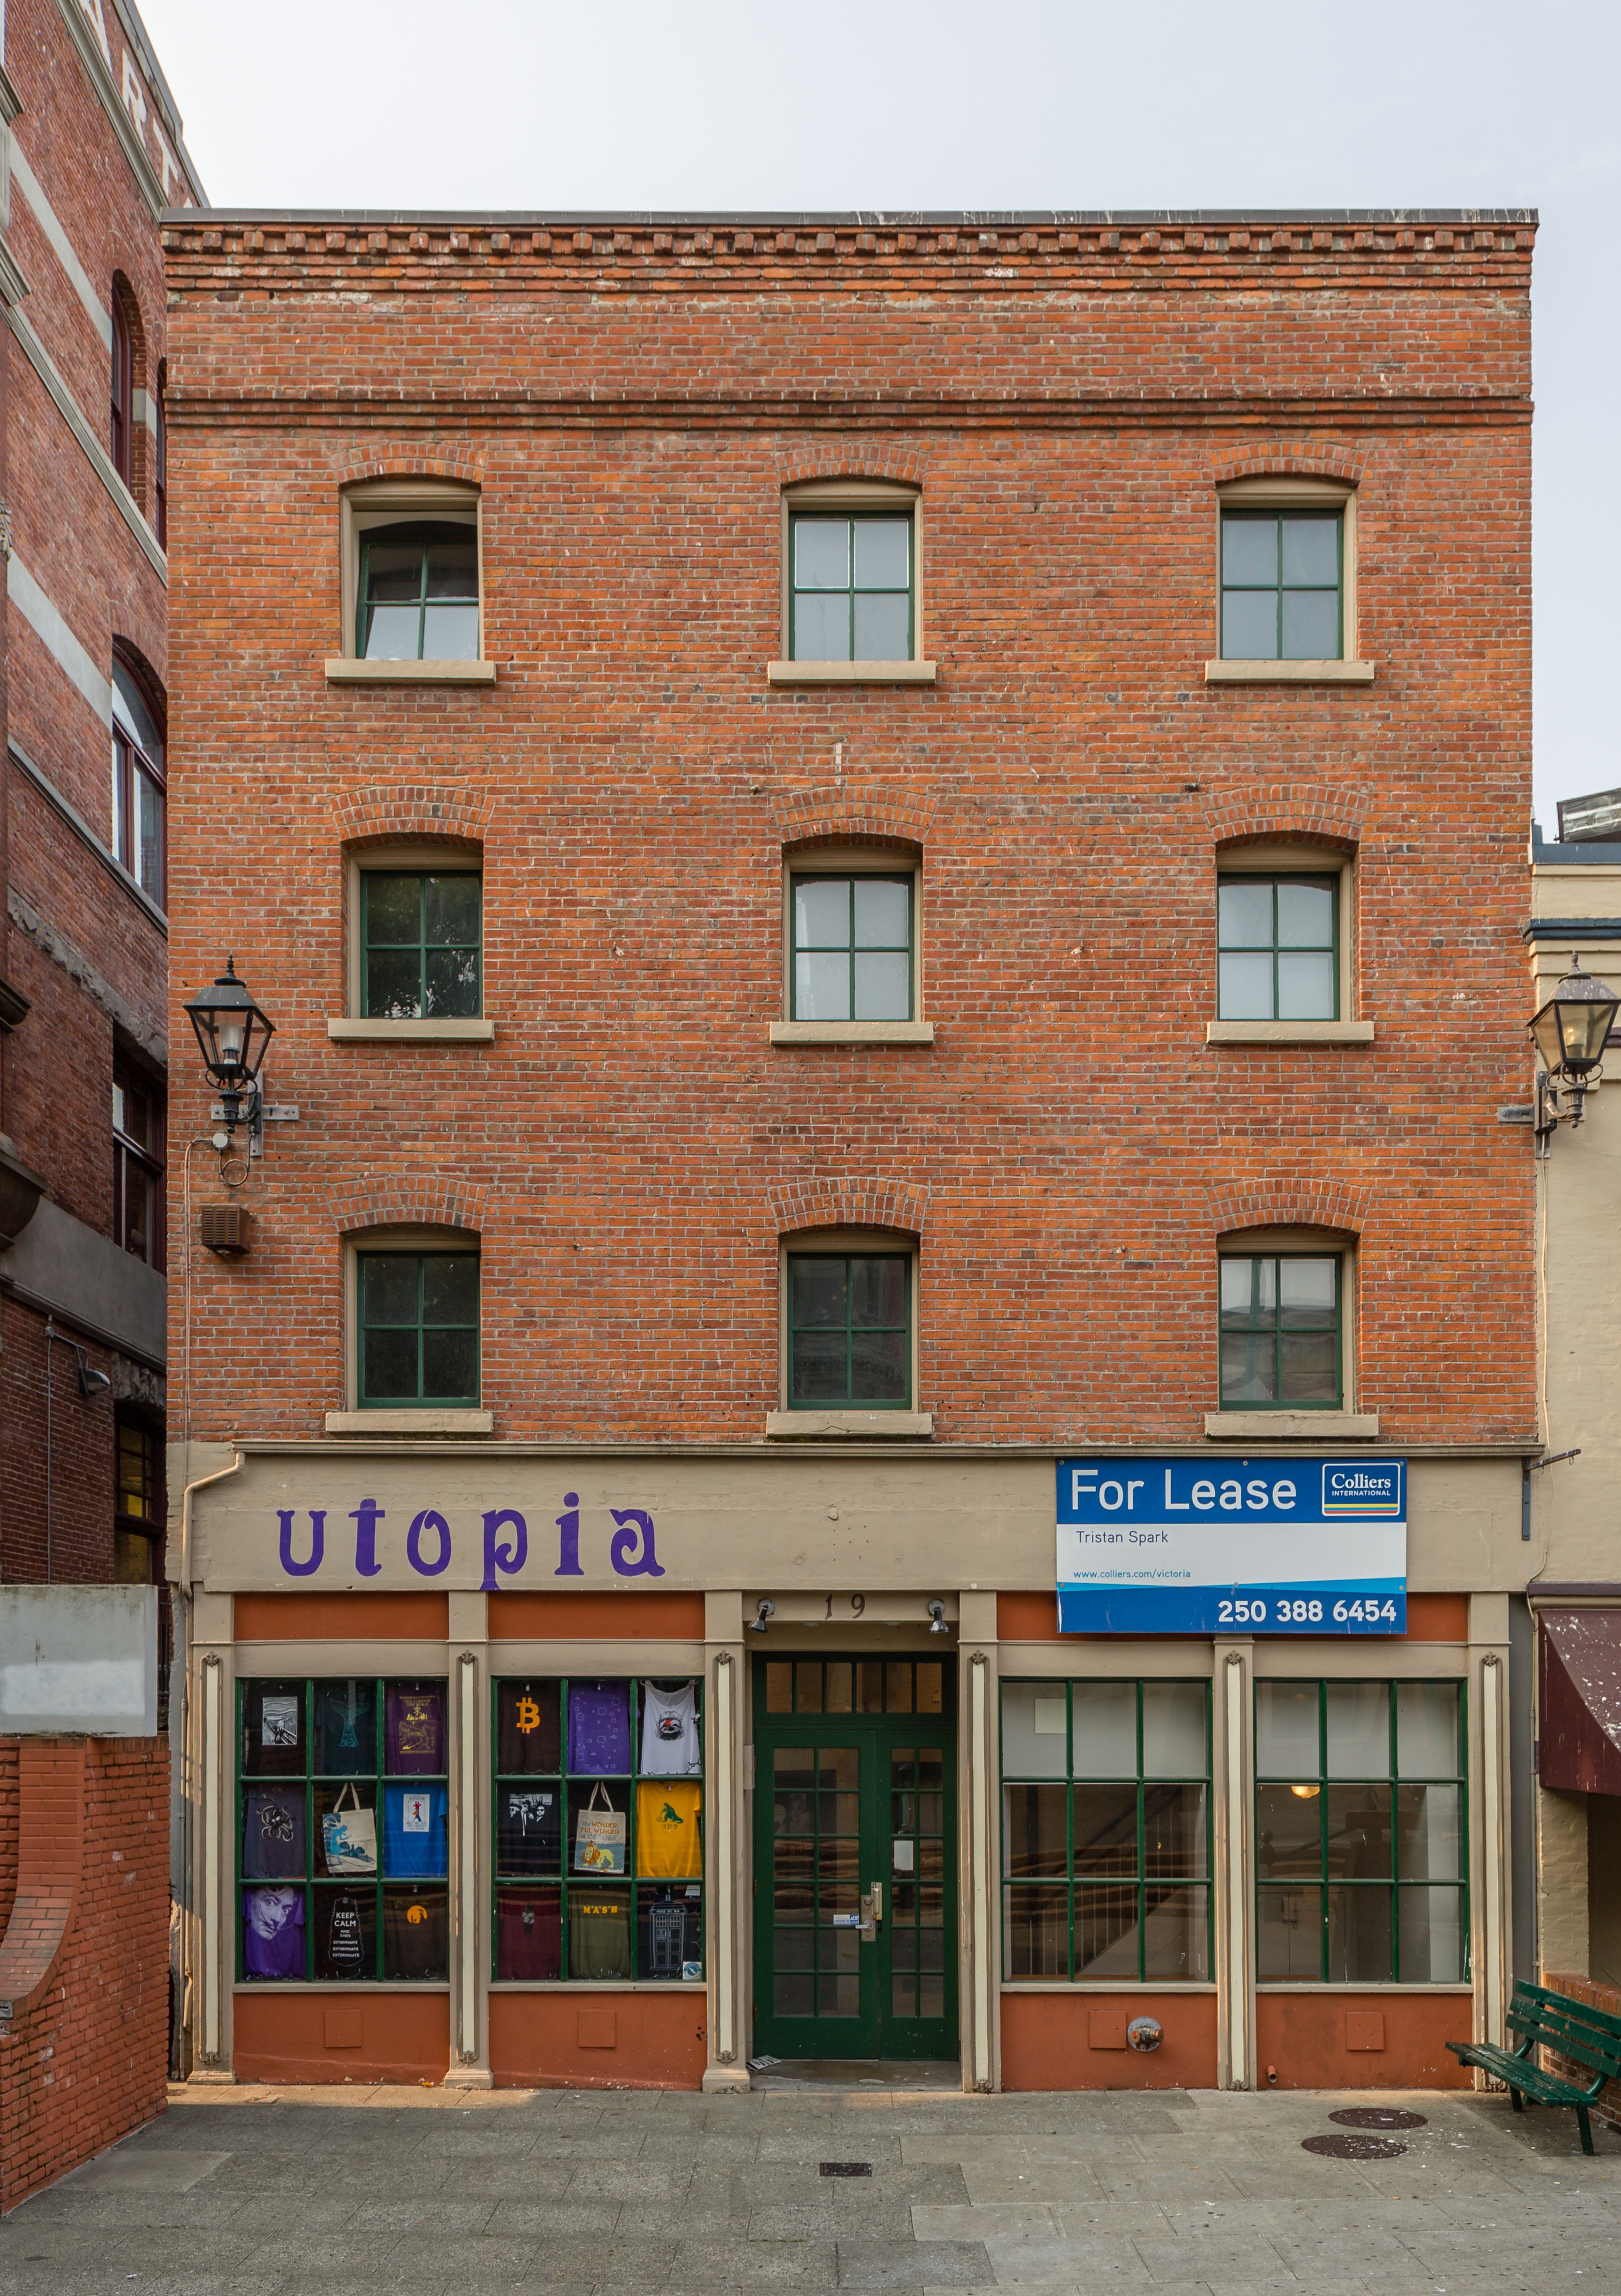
{"points": [[882, 554], [1174, 1834], [883, 912], [388, 1287], [450, 1365], [1432, 1937], [393, 633], [1176, 1935], [1311, 625], [780, 1689], [822, 987], [1305, 987], [450, 1289], [452, 910], [1426, 1730], [452, 984], [1311, 549], [1249, 1371], [808, 1700], [1288, 1934], [1238, 1286], [1305, 916], [1359, 1832], [822, 913], [822, 553], [1174, 1730], [450, 633], [394, 570], [1288, 1833], [1105, 1724], [1306, 1291], [1244, 913], [819, 1292], [1105, 1932], [821, 626], [1358, 1936], [819, 1372], [877, 1368], [883, 627], [393, 910], [1035, 1932], [1033, 1836], [453, 568], [1308, 1368], [393, 984], [1106, 1831], [149, 855], [1429, 1832], [882, 988], [1034, 1732], [1244, 989], [389, 1366], [1249, 625], [877, 1291], [1286, 1729], [1359, 1730], [1249, 550]]}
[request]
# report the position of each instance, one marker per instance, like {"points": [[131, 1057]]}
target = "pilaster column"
{"points": [[1233, 1739], [726, 1844], [469, 1654], [978, 1818]]}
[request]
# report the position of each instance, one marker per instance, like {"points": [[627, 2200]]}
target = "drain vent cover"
{"points": [[846, 2168], [1377, 2116], [1354, 2148]]}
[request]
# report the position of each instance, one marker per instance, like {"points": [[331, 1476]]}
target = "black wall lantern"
{"points": [[233, 1036], [1569, 1032]]}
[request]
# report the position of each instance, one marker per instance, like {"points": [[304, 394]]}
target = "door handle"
{"points": [[872, 1912]]}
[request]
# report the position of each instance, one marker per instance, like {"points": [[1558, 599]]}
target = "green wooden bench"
{"points": [[1587, 2036]]}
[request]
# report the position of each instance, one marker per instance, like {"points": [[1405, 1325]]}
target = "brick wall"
{"points": [[84, 1884], [633, 402], [1606, 1997]]}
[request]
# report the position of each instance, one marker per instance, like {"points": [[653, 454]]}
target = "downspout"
{"points": [[181, 1956]]}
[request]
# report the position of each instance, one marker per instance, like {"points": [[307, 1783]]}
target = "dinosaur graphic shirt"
{"points": [[668, 1836]]}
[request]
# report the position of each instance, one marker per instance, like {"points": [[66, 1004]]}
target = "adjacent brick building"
{"points": [[885, 853]]}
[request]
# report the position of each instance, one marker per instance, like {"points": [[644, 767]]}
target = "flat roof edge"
{"points": [[867, 219]]}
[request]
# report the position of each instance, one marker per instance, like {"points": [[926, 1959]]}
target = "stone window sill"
{"points": [[1288, 1032], [342, 669], [852, 1032], [598, 1985], [411, 1032], [249, 1986], [850, 673], [1291, 1426], [385, 1423], [806, 1426], [1288, 673]]}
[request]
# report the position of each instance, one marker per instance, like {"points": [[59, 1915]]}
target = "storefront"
{"points": [[623, 1766]]}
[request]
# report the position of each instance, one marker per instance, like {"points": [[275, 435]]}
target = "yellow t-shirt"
{"points": [[669, 1843]]}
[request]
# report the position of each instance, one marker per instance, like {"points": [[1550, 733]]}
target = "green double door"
{"points": [[855, 1911]]}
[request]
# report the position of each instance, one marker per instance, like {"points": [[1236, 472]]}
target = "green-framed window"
{"points": [[1106, 1830], [422, 944], [419, 591], [1362, 1834], [598, 1830], [850, 1331], [1278, 949], [342, 1831], [1282, 584], [1280, 1332], [852, 947], [851, 588], [418, 1328]]}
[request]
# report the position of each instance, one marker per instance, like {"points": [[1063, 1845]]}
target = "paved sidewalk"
{"points": [[318, 2192]]}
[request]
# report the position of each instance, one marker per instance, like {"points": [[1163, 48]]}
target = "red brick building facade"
{"points": [[743, 757]]}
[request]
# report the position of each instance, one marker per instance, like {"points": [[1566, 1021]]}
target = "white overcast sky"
{"points": [[888, 103]]}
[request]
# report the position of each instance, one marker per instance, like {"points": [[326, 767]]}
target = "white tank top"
{"points": [[669, 1732]]}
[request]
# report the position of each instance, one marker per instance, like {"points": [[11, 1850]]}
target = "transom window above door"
{"points": [[1278, 949], [851, 589], [852, 948]]}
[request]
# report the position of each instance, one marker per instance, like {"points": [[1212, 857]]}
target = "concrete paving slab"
{"points": [[787, 2263], [1040, 2180], [1073, 2261], [913, 2263]]}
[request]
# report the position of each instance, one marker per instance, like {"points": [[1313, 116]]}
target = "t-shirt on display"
{"points": [[527, 1730], [529, 1830], [529, 1933], [669, 1837], [273, 1932], [415, 1731], [599, 1934], [671, 1748], [343, 1933], [672, 1922], [415, 1930], [600, 1728], [415, 1830], [345, 1729], [272, 1831]]}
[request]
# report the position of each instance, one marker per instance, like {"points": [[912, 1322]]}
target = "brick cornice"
{"points": [[422, 809], [52, 1788], [414, 1199], [1289, 1201], [1283, 809], [848, 1202]]}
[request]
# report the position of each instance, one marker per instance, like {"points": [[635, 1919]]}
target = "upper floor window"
{"points": [[1281, 575], [161, 458], [417, 1329], [120, 442], [418, 598], [851, 950], [1278, 947], [850, 1330], [138, 779], [849, 594], [1282, 1331], [137, 1535], [137, 1162], [421, 944]]}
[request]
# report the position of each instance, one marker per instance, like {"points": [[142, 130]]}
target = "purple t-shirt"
{"points": [[600, 1728], [273, 1932], [415, 1730]]}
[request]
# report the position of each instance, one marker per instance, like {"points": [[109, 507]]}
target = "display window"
{"points": [[598, 1830], [343, 1805], [1106, 1831], [1362, 1834]]}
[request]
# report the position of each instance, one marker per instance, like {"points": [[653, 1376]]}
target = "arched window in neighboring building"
{"points": [[138, 715], [122, 435], [162, 456]]}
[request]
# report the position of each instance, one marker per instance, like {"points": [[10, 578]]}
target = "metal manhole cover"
{"points": [[846, 2168], [1354, 2148], [1377, 2116]]}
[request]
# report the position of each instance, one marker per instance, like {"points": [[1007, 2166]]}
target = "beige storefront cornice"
{"points": [[1529, 1446]]}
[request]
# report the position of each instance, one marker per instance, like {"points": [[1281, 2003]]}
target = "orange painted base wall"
{"points": [[1326, 2041], [1070, 2040], [599, 2041], [338, 2036]]}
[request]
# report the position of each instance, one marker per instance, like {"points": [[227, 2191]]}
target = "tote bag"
{"points": [[599, 1837], [349, 1836]]}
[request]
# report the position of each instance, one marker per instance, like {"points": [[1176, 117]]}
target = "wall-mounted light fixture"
{"points": [[937, 1618], [767, 1610], [1569, 1033], [233, 1036]]}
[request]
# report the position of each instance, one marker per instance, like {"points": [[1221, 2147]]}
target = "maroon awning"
{"points": [[1579, 1723]]}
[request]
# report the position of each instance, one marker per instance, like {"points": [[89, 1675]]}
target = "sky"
{"points": [[887, 103]]}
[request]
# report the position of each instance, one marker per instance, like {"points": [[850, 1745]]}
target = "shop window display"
{"points": [[342, 1831], [598, 1830], [1106, 1831]]}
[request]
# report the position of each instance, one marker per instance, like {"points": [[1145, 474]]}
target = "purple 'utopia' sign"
{"points": [[501, 1538]]}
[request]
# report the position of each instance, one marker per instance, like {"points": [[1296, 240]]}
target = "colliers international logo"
{"points": [[1368, 1489]]}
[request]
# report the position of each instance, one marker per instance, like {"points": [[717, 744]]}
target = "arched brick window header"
{"points": [[420, 1201], [841, 462], [1291, 1203], [1295, 459], [408, 815], [898, 1205], [467, 470], [1284, 812], [835, 817]]}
